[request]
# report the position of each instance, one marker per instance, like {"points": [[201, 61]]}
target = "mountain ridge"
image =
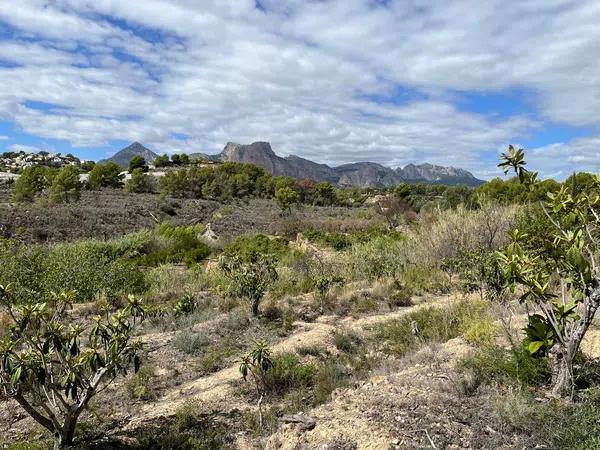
{"points": [[360, 174]]}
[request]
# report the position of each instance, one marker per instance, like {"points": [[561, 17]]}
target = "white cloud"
{"points": [[304, 75]]}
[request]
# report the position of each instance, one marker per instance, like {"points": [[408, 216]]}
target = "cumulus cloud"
{"points": [[336, 81]]}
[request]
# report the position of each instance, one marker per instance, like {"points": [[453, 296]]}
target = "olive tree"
{"points": [[249, 280], [560, 276], [53, 367]]}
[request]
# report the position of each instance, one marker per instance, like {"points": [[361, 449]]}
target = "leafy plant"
{"points": [[52, 370], [565, 266], [249, 280]]}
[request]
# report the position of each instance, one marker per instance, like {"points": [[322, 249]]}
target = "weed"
{"points": [[346, 341]]}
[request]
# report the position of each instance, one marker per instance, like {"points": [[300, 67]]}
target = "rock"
{"points": [[306, 422]]}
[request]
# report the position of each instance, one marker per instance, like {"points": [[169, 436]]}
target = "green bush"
{"points": [[428, 325], [287, 373], [516, 365], [171, 244], [329, 377], [346, 341], [251, 247], [88, 269], [337, 241]]}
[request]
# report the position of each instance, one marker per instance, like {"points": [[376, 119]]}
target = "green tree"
{"points": [[140, 182], [33, 181], [66, 186], [105, 175], [324, 194], [286, 197], [52, 366], [176, 159], [137, 162], [561, 277], [161, 161], [174, 183], [249, 280], [86, 166], [184, 159]]}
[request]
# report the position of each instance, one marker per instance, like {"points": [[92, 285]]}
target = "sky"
{"points": [[394, 82]]}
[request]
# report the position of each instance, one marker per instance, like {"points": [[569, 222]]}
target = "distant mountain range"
{"points": [[361, 174]]}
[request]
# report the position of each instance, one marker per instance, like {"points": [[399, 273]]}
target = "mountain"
{"points": [[361, 174], [122, 157]]}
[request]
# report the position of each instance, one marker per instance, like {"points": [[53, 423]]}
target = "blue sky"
{"points": [[336, 81]]}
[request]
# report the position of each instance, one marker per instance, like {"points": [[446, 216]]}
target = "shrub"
{"points": [[346, 341], [191, 343], [311, 350], [430, 324], [185, 305], [249, 280], [171, 244], [329, 377], [251, 247], [287, 373], [337, 241], [88, 268], [139, 386], [518, 365]]}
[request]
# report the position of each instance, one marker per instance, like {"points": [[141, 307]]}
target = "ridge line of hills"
{"points": [[359, 174]]}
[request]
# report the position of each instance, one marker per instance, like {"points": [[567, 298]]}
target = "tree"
{"points": [[105, 175], [561, 277], [161, 161], [137, 162], [249, 280], [86, 166], [286, 197], [65, 186], [324, 194], [33, 180], [140, 182], [53, 367], [184, 159], [176, 159]]}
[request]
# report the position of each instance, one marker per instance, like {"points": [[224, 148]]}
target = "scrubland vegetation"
{"points": [[478, 301]]}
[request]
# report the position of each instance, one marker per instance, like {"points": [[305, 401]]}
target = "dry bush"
{"points": [[448, 233]]}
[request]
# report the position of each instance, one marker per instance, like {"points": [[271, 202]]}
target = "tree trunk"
{"points": [[67, 433], [563, 381]]}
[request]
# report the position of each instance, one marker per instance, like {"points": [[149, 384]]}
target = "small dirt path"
{"points": [[216, 391]]}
